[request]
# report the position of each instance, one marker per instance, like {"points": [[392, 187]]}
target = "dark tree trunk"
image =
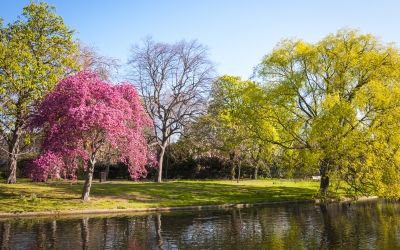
{"points": [[239, 166], [232, 162], [324, 183], [256, 160], [107, 171], [13, 153], [160, 164], [88, 180]]}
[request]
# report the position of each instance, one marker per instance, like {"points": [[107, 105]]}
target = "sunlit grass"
{"points": [[29, 196]]}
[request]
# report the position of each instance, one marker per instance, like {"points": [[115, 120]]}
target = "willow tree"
{"points": [[35, 53], [332, 101]]}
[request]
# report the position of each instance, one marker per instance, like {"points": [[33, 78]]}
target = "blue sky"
{"points": [[237, 33]]}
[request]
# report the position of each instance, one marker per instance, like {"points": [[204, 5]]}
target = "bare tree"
{"points": [[174, 82], [88, 58]]}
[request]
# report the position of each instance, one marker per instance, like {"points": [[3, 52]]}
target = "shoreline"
{"points": [[116, 212]]}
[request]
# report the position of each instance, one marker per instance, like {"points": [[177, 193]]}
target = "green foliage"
{"points": [[36, 51], [337, 103], [235, 108], [331, 108]]}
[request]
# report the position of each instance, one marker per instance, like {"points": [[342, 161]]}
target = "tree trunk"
{"points": [[233, 172], [324, 183], [13, 152], [160, 164], [12, 178], [107, 171], [239, 165], [88, 180], [232, 162], [256, 172]]}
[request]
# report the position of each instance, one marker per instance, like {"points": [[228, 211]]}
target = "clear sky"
{"points": [[237, 33]]}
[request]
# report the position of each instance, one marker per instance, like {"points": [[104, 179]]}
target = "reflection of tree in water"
{"points": [[41, 236], [336, 226], [158, 230], [361, 226], [5, 235], [53, 238], [292, 227], [387, 223], [85, 233]]}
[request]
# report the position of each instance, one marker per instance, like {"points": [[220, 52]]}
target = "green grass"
{"points": [[27, 196]]}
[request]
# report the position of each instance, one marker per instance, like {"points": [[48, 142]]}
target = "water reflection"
{"points": [[372, 225]]}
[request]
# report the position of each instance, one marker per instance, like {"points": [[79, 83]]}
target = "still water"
{"points": [[367, 225]]}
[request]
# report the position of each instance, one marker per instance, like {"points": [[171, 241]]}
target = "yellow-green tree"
{"points": [[337, 102], [235, 107], [35, 52]]}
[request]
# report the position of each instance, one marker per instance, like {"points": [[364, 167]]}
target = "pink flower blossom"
{"points": [[83, 114]]}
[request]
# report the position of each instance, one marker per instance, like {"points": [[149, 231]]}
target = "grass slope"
{"points": [[27, 196]]}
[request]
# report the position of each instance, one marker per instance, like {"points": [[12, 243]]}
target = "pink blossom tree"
{"points": [[82, 118]]}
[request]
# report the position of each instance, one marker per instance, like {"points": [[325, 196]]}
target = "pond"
{"points": [[363, 225]]}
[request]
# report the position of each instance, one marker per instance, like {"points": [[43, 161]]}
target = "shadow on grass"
{"points": [[31, 196], [193, 192]]}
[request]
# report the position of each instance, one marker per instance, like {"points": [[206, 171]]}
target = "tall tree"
{"points": [[81, 118], [173, 80], [35, 53], [235, 105], [88, 58], [329, 99]]}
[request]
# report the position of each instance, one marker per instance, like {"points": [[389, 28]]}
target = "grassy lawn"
{"points": [[28, 196]]}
